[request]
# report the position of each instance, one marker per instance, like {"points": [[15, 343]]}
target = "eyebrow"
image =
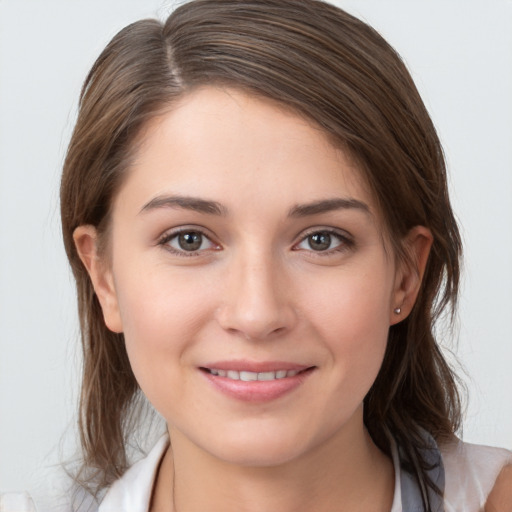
{"points": [[195, 204], [210, 207], [327, 205]]}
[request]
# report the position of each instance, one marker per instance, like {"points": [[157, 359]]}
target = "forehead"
{"points": [[240, 149]]}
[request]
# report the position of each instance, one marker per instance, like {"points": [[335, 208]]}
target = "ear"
{"points": [[86, 243], [410, 272]]}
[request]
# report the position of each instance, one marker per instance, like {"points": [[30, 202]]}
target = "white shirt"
{"points": [[470, 473]]}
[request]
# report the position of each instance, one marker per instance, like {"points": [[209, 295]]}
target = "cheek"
{"points": [[161, 316], [351, 315], [350, 303], [158, 306]]}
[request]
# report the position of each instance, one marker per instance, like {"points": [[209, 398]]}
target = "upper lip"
{"points": [[255, 366]]}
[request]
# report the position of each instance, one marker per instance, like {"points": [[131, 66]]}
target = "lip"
{"points": [[256, 391]]}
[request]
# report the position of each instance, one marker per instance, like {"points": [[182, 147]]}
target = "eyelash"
{"points": [[345, 244]]}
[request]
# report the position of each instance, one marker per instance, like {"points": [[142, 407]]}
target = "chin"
{"points": [[259, 453], [264, 446]]}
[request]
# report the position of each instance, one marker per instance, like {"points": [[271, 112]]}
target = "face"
{"points": [[249, 274]]}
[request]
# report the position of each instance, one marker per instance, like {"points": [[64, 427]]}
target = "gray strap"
{"points": [[411, 495]]}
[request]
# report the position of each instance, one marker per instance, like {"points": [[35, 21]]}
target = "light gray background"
{"points": [[460, 54]]}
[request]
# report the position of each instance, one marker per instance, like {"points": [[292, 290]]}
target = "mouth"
{"points": [[244, 382], [247, 376]]}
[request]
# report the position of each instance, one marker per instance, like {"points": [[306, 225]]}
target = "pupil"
{"points": [[320, 241], [190, 241]]}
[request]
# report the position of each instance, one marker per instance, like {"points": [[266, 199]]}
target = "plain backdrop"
{"points": [[460, 54]]}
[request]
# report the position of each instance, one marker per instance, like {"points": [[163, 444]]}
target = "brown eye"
{"points": [[320, 241], [190, 241], [324, 241]]}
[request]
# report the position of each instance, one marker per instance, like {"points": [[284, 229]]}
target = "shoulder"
{"points": [[16, 502], [471, 472], [500, 498], [55, 493], [131, 492]]}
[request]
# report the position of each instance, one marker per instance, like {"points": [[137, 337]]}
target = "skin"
{"points": [[255, 290], [500, 498]]}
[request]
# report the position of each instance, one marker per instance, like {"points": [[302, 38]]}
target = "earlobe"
{"points": [[417, 245], [86, 243]]}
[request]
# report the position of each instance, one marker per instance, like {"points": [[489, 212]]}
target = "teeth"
{"points": [[247, 376], [253, 376]]}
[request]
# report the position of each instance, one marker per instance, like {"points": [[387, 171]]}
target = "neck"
{"points": [[348, 472]]}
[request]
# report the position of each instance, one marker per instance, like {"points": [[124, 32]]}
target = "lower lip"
{"points": [[257, 391]]}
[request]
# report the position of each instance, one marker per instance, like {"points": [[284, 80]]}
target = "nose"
{"points": [[257, 301]]}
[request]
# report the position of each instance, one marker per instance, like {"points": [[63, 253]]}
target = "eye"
{"points": [[324, 241], [187, 242]]}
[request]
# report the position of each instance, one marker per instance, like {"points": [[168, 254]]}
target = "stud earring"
{"points": [[397, 311]]}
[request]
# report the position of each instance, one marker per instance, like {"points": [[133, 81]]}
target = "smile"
{"points": [[252, 376], [256, 382]]}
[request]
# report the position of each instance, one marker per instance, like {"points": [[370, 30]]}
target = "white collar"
{"points": [[133, 490]]}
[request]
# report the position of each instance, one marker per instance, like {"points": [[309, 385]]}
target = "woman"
{"points": [[254, 204]]}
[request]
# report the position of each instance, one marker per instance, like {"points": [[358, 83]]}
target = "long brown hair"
{"points": [[339, 73]]}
